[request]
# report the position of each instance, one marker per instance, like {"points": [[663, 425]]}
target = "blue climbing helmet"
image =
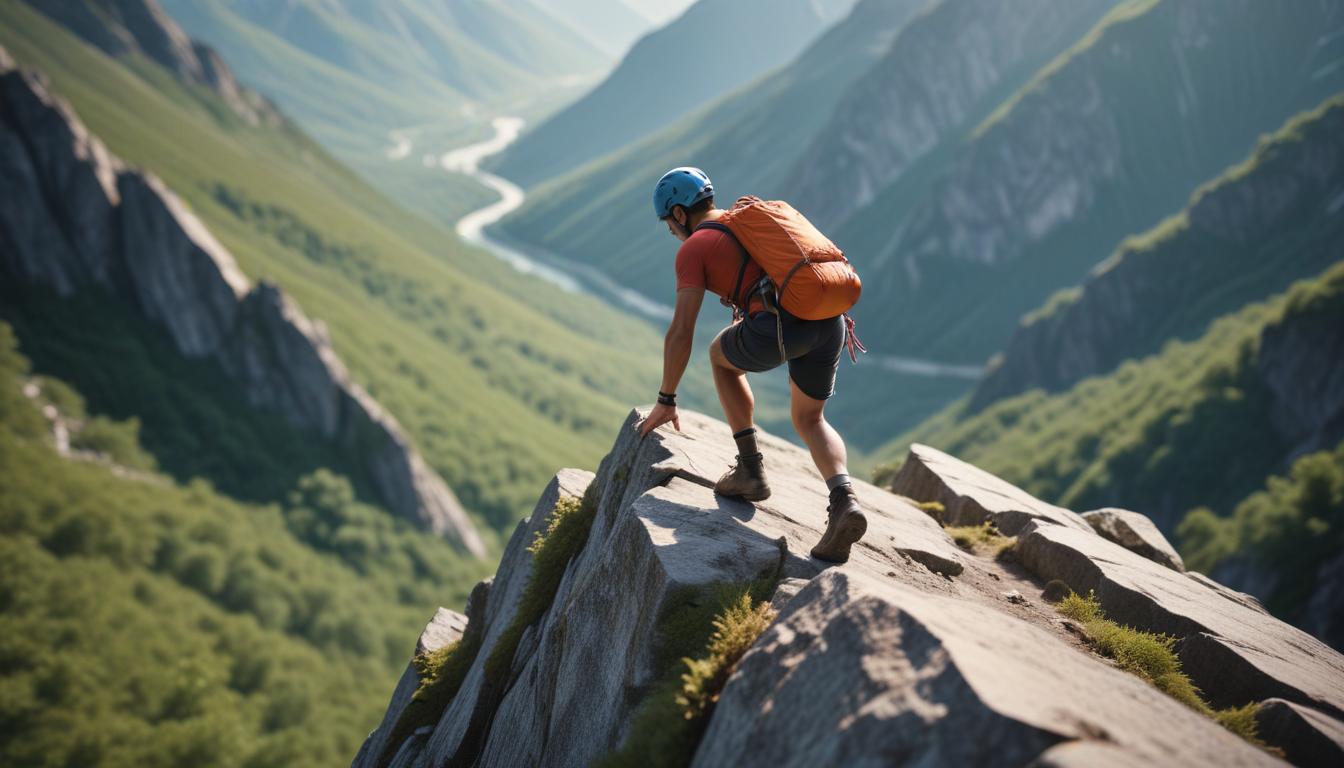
{"points": [[683, 186]]}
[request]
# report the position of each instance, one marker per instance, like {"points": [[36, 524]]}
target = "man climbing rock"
{"points": [[788, 287]]}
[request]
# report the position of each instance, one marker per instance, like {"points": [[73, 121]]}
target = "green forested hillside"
{"points": [[1193, 425], [1247, 234], [149, 623], [1288, 529], [498, 378], [351, 73]]}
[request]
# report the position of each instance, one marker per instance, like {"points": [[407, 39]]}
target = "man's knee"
{"points": [[806, 419]]}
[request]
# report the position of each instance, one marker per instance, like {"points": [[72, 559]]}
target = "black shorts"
{"points": [[812, 348]]}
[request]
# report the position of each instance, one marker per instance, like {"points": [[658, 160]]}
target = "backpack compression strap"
{"points": [[742, 268]]}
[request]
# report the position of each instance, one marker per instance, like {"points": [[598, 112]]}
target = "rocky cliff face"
{"points": [[916, 652], [74, 215], [933, 80], [1247, 235], [124, 27], [1078, 159]]}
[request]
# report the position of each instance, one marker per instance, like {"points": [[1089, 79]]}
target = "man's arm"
{"points": [[676, 355]]}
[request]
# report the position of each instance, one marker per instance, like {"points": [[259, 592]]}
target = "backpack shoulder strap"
{"points": [[742, 268]]}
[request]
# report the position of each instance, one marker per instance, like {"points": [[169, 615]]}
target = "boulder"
{"points": [[1308, 738], [971, 496], [864, 672], [445, 628], [1233, 652], [1135, 532]]}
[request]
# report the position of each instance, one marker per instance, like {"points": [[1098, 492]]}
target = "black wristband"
{"points": [[666, 399]]}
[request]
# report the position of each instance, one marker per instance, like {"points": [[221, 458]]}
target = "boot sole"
{"points": [[745, 496], [850, 530]]}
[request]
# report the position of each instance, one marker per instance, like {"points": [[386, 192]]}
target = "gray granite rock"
{"points": [[1232, 651], [445, 628], [1307, 737], [505, 590], [860, 672], [875, 662], [1135, 532], [73, 215], [658, 528], [971, 496]]}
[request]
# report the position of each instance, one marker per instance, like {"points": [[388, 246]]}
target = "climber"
{"points": [[732, 254]]}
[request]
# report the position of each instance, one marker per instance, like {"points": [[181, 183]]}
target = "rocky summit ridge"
{"points": [[75, 216], [917, 651]]}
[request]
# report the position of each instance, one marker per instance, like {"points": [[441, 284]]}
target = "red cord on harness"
{"points": [[852, 340]]}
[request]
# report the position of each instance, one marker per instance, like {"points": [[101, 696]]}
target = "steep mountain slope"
{"points": [[709, 51], [610, 26], [1202, 422], [949, 70], [1271, 220], [79, 221], [1106, 140], [639, 619], [1285, 542], [600, 214], [145, 622], [659, 11], [493, 375]]}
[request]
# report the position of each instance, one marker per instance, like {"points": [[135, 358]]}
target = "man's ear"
{"points": [[680, 219]]}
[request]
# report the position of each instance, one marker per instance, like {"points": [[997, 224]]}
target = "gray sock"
{"points": [[746, 442], [836, 481]]}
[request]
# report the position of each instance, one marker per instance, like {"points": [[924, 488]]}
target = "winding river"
{"points": [[575, 277]]}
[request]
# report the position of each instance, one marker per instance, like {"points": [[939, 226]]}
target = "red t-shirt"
{"points": [[710, 259]]}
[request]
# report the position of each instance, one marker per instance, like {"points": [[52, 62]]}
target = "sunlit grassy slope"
{"points": [[499, 379]]}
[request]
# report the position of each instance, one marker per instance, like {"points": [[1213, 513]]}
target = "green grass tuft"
{"points": [[981, 539], [1152, 656], [441, 674], [702, 634], [566, 532]]}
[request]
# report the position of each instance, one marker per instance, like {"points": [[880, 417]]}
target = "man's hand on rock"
{"points": [[660, 415]]}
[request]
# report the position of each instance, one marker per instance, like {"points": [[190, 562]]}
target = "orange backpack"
{"points": [[805, 273], [811, 277]]}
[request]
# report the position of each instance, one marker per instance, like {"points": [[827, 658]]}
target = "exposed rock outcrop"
{"points": [[1135, 532], [971, 496], [76, 216], [1243, 237], [908, 654], [1309, 738], [124, 27], [1231, 648], [444, 629]]}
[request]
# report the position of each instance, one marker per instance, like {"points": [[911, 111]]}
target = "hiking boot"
{"points": [[845, 524], [746, 480]]}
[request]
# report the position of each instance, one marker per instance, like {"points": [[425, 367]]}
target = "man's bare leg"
{"points": [[845, 523], [828, 449], [734, 392], [746, 480]]}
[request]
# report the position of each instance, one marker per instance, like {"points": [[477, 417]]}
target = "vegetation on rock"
{"points": [[566, 532], [702, 633], [1152, 656]]}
